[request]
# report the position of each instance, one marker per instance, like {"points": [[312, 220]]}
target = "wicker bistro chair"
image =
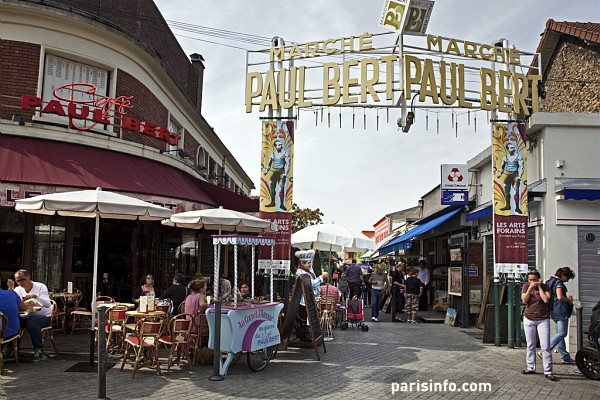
{"points": [[181, 308], [165, 306], [178, 337], [80, 314], [327, 319], [199, 335], [115, 327], [14, 339], [145, 337], [48, 331], [59, 317], [67, 302]]}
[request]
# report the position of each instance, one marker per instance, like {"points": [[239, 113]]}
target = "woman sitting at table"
{"points": [[197, 302], [146, 289]]}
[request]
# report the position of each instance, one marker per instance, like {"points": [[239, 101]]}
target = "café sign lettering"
{"points": [[436, 80], [81, 112]]}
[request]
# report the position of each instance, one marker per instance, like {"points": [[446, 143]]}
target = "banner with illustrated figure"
{"points": [[509, 162], [276, 181], [276, 188]]}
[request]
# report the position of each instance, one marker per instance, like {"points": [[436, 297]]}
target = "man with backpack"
{"points": [[561, 307]]}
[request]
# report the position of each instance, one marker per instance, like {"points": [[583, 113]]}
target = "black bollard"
{"points": [[579, 316], [216, 376], [101, 353], [92, 341]]}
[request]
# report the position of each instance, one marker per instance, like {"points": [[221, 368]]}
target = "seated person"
{"points": [[329, 292], [146, 289], [196, 302], [36, 292], [224, 289], [10, 305], [245, 291], [177, 292]]}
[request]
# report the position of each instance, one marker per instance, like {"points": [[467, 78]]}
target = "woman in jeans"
{"points": [[561, 311], [536, 319]]}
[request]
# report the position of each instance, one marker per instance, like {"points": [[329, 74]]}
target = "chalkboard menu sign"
{"points": [[303, 286]]}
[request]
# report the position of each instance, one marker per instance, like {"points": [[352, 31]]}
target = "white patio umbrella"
{"points": [[331, 237], [222, 219], [93, 204]]}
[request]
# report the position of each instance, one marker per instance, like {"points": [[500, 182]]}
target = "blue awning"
{"points": [[578, 188], [404, 241], [482, 211], [577, 194]]}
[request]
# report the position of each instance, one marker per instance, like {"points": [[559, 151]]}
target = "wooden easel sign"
{"points": [[303, 286]]}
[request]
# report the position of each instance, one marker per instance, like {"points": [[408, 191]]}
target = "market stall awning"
{"points": [[578, 188], [481, 211], [404, 241]]}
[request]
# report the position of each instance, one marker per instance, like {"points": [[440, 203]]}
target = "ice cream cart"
{"points": [[250, 328]]}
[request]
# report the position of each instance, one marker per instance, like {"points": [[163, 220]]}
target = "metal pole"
{"points": [[579, 314], [94, 289], [496, 310], [518, 321], [102, 352], [216, 376], [511, 312], [465, 309]]}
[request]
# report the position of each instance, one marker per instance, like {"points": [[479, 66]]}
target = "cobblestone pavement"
{"points": [[357, 365]]}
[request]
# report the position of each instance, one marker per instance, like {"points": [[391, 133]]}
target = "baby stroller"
{"points": [[353, 314], [588, 358]]}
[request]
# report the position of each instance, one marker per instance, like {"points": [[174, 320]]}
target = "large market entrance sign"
{"points": [[358, 81]]}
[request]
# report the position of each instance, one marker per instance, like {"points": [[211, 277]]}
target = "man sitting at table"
{"points": [[177, 292], [10, 305], [37, 293]]}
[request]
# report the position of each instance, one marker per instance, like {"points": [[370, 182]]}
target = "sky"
{"points": [[355, 176]]}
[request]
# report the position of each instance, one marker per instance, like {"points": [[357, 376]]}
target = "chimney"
{"points": [[197, 80]]}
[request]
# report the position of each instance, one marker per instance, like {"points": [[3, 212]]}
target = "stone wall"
{"points": [[572, 80]]}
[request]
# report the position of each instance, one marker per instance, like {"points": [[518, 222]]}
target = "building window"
{"points": [[59, 72], [175, 127], [212, 169], [226, 181]]}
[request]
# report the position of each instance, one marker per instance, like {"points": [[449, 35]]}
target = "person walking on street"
{"points": [[367, 285], [379, 283], [343, 284], [425, 278], [536, 319], [398, 291], [561, 311], [354, 278], [414, 290]]}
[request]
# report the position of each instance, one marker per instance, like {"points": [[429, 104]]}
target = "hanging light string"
{"points": [[454, 117]]}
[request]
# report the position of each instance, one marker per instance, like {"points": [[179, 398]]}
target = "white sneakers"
{"points": [[374, 319]]}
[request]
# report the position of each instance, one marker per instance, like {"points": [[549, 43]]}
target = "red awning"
{"points": [[36, 161]]}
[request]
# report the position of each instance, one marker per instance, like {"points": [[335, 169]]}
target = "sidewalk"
{"points": [[357, 364]]}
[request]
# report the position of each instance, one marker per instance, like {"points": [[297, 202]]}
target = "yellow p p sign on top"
{"points": [[393, 14]]}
